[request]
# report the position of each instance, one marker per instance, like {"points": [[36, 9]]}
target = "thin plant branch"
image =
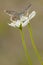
{"points": [[33, 44], [24, 46]]}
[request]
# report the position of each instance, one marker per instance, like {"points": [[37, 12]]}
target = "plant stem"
{"points": [[33, 44], [25, 49]]}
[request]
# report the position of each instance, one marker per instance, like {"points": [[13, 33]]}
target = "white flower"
{"points": [[23, 20]]}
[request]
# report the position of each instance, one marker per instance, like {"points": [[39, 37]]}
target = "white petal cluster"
{"points": [[23, 20]]}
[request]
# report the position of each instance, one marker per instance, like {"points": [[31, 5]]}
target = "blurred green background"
{"points": [[11, 49]]}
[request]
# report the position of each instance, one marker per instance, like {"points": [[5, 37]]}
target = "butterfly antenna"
{"points": [[28, 7]]}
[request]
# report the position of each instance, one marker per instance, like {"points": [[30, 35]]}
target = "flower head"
{"points": [[18, 20]]}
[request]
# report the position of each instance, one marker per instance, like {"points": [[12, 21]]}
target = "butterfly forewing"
{"points": [[14, 15], [10, 12], [25, 11]]}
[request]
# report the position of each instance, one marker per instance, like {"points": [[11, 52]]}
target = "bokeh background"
{"points": [[11, 49]]}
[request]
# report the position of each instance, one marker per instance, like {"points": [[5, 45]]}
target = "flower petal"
{"points": [[18, 22], [25, 23], [12, 24], [23, 18], [32, 15]]}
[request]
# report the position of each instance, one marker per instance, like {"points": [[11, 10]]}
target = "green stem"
{"points": [[33, 44], [25, 49]]}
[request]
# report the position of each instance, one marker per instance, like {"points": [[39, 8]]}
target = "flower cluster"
{"points": [[24, 20]]}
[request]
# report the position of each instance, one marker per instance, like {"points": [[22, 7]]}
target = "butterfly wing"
{"points": [[10, 13], [27, 7], [13, 15], [25, 11]]}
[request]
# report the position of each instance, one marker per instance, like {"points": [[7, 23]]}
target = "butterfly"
{"points": [[14, 15]]}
